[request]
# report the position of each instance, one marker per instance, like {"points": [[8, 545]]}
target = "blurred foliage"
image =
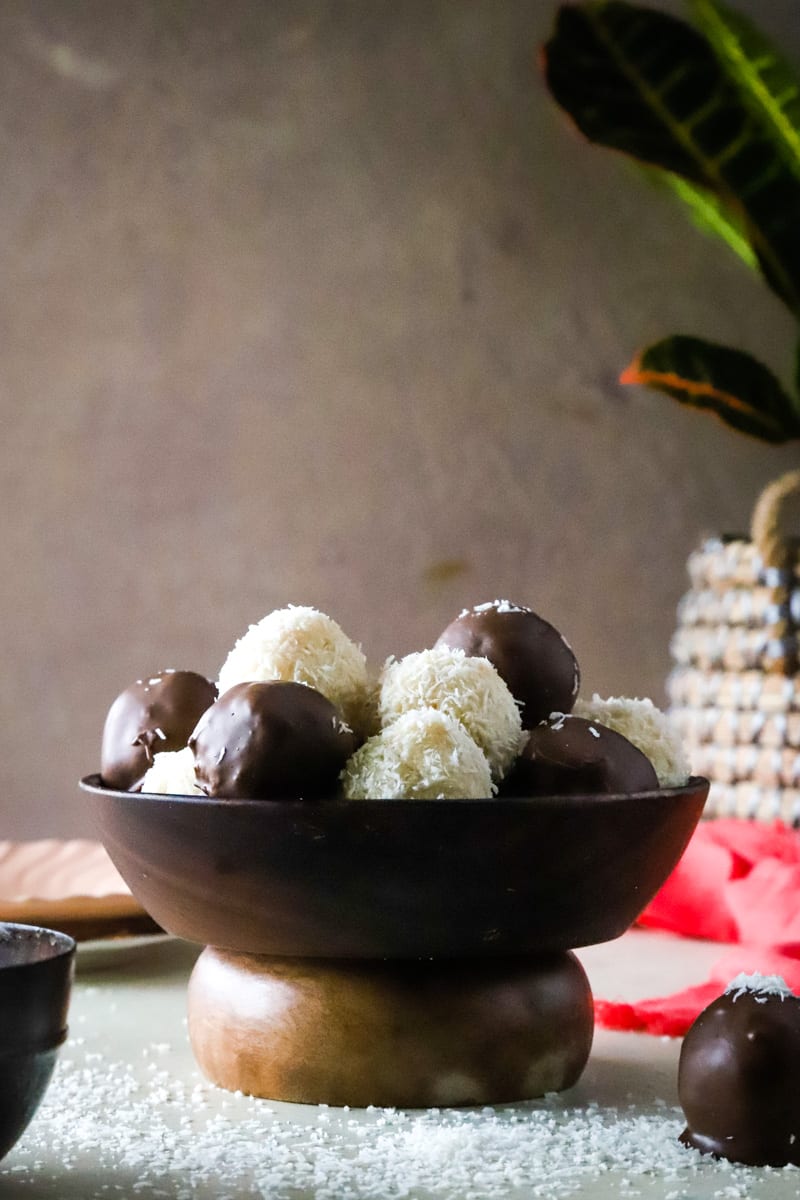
{"points": [[712, 110]]}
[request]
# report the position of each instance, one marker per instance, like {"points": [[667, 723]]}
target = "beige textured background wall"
{"points": [[322, 302]]}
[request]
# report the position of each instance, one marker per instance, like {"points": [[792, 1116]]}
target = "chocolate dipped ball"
{"points": [[568, 756], [533, 658], [270, 740], [738, 1075], [154, 714]]}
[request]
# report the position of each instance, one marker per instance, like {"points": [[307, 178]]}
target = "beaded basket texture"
{"points": [[734, 688]]}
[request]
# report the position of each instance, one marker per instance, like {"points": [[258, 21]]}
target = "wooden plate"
{"points": [[72, 886]]}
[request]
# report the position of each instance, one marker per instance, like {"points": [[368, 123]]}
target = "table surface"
{"points": [[128, 1113]]}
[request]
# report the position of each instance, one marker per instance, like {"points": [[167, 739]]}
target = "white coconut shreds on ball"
{"points": [[369, 715], [301, 645], [423, 755], [650, 730], [172, 774], [467, 689]]}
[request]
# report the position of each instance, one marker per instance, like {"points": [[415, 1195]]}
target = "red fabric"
{"points": [[691, 902], [766, 905], [738, 881], [665, 1016]]}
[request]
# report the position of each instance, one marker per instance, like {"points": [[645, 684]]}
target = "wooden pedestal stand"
{"points": [[405, 1033]]}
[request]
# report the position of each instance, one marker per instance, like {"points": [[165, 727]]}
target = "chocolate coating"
{"points": [[154, 714], [568, 756], [535, 661], [738, 1079], [273, 740]]}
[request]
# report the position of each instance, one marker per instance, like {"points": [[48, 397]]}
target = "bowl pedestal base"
{"points": [[411, 1034]]}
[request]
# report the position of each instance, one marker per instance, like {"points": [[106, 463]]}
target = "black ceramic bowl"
{"points": [[36, 968], [396, 878]]}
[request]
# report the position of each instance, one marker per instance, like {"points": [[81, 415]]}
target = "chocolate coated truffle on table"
{"points": [[271, 740], [738, 1075], [154, 714], [532, 657], [568, 756]]}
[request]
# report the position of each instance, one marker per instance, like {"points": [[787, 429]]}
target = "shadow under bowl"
{"points": [[36, 970], [396, 878]]}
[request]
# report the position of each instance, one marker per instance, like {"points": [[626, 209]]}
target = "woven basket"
{"points": [[734, 689]]}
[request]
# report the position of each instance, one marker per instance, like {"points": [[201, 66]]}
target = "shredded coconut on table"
{"points": [[164, 1138]]}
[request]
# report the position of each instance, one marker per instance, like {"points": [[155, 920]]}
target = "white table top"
{"points": [[128, 1113]]}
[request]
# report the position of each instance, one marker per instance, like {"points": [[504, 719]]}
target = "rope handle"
{"points": [[769, 514]]}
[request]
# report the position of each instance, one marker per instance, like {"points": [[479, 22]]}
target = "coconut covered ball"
{"points": [[423, 755], [302, 645], [467, 689], [172, 774], [648, 728]]}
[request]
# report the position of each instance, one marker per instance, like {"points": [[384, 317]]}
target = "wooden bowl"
{"points": [[36, 969], [372, 879]]}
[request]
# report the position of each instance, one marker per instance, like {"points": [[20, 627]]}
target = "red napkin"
{"points": [[738, 881]]}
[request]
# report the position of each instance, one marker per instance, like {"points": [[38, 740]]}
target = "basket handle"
{"points": [[766, 527]]}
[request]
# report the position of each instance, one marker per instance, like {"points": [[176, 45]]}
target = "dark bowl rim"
{"points": [[66, 946], [92, 783]]}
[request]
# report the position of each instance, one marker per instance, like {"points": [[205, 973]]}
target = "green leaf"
{"points": [[645, 83], [733, 385], [767, 82], [707, 213]]}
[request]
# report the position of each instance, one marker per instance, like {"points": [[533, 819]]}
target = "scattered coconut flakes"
{"points": [[99, 1122], [302, 645], [462, 687], [172, 774], [501, 606], [650, 730], [423, 755], [761, 985]]}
